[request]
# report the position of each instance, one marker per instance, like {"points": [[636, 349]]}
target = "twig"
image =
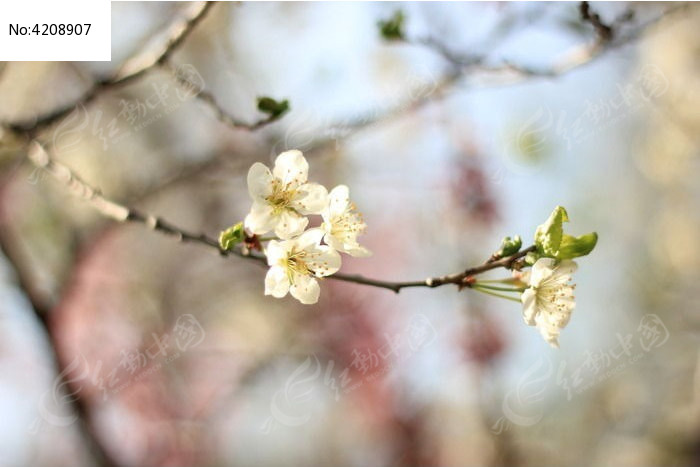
{"points": [[41, 311], [121, 213], [184, 31], [219, 113], [441, 88], [460, 279], [132, 70], [605, 33], [607, 38], [463, 66]]}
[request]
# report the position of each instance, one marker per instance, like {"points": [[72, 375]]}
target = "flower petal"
{"points": [[330, 240], [549, 332], [524, 276], [305, 289], [323, 260], [261, 218], [566, 267], [352, 249], [291, 167], [290, 224], [338, 200], [542, 270], [357, 251], [529, 299], [311, 198], [277, 252], [567, 302], [309, 239], [259, 181], [276, 282]]}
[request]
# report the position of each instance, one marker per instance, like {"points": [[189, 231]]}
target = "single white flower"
{"points": [[283, 197], [342, 224], [549, 299], [295, 264]]}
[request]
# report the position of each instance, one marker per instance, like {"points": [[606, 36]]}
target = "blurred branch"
{"points": [[210, 100], [608, 37], [133, 69], [41, 310], [136, 68], [462, 66], [436, 91], [176, 34], [40, 158], [121, 213], [605, 33]]}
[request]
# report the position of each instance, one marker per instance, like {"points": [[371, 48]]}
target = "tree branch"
{"points": [[460, 279], [608, 37], [210, 100], [605, 32], [440, 89], [478, 64], [41, 310], [132, 70], [121, 213]]}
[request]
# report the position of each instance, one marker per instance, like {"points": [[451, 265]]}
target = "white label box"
{"points": [[65, 30]]}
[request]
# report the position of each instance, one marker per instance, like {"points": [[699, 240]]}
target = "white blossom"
{"points": [[342, 223], [282, 198], [549, 300], [295, 264]]}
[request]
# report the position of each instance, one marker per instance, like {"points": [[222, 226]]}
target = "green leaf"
{"points": [[392, 29], [548, 236], [510, 246], [552, 242], [573, 247], [232, 236], [272, 107]]}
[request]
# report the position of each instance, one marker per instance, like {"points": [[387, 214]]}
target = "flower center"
{"points": [[282, 195], [296, 264], [555, 294], [348, 225]]}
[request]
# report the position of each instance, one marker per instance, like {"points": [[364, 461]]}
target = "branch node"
{"points": [[151, 222]]}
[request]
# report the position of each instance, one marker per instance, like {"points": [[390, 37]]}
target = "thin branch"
{"points": [[78, 404], [184, 31], [467, 65], [121, 213], [608, 37], [210, 100], [605, 32], [133, 69], [460, 279], [440, 89]]}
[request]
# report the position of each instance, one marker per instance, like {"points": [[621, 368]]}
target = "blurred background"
{"points": [[454, 125]]}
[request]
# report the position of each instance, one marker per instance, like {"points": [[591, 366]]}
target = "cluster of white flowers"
{"points": [[282, 198], [549, 299], [298, 255]]}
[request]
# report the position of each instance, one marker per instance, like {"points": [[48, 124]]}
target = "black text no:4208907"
{"points": [[78, 29]]}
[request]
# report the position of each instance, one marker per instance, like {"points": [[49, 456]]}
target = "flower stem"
{"points": [[493, 287], [509, 280], [489, 292]]}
